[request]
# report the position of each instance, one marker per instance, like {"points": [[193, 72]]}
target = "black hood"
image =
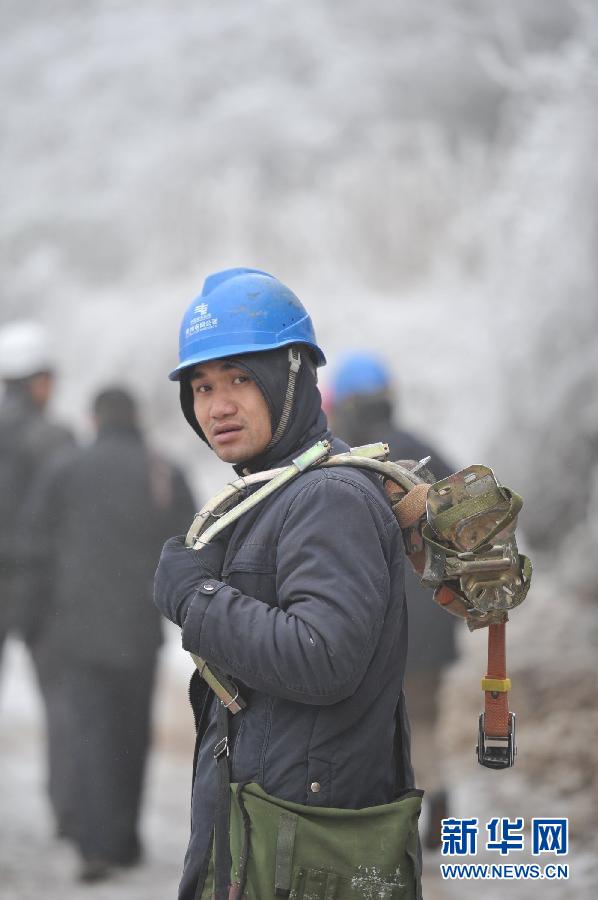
{"points": [[270, 371]]}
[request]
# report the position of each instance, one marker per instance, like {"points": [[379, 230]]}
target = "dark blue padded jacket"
{"points": [[309, 619]]}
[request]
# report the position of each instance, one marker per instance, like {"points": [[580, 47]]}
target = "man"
{"points": [[99, 517], [363, 409], [301, 601], [28, 439]]}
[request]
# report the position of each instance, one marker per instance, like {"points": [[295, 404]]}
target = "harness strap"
{"points": [[244, 857], [496, 717], [496, 735], [410, 508], [203, 872], [287, 826], [222, 862]]}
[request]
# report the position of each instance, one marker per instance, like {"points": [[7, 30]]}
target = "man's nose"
{"points": [[223, 405]]}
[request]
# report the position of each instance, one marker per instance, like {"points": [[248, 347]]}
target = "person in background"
{"points": [[362, 410], [29, 440], [98, 517]]}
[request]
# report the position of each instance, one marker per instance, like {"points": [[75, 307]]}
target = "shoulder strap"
{"points": [[222, 862]]}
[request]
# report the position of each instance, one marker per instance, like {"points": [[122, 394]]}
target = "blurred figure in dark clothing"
{"points": [[28, 439], [98, 518], [362, 410]]}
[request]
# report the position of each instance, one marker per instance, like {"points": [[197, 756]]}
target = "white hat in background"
{"points": [[24, 350]]}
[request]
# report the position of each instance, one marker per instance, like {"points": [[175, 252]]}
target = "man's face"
{"points": [[231, 411], [40, 388]]}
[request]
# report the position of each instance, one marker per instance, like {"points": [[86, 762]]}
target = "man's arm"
{"points": [[332, 590], [37, 531]]}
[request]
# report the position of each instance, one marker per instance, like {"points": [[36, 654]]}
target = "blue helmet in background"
{"points": [[242, 311], [359, 373]]}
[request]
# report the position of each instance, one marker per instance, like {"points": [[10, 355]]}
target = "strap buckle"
{"points": [[501, 753], [232, 703], [221, 748]]}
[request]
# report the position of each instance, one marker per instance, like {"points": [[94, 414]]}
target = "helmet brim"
{"points": [[206, 354]]}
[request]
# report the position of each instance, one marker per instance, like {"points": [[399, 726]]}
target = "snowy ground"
{"points": [[34, 864]]}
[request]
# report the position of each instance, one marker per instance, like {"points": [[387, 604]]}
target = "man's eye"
{"points": [[239, 379], [202, 388]]}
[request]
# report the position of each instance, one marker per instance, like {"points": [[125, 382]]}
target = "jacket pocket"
{"points": [[252, 570], [252, 558]]}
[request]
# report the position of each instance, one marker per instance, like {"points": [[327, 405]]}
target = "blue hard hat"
{"points": [[359, 373], [242, 311]]}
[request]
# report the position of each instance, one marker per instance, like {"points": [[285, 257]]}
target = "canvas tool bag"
{"points": [[282, 849]]}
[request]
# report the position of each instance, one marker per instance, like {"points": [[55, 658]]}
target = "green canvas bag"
{"points": [[281, 849]]}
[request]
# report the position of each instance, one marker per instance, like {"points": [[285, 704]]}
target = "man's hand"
{"points": [[179, 572]]}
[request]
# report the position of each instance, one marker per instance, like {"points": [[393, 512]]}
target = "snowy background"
{"points": [[425, 177]]}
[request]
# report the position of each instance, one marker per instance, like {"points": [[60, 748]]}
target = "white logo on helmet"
{"points": [[202, 321]]}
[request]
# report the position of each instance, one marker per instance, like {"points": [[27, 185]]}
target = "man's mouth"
{"points": [[222, 434]]}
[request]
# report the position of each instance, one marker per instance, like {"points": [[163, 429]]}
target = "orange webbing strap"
{"points": [[412, 506], [410, 510], [496, 719]]}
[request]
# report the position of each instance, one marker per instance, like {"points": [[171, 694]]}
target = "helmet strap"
{"points": [[294, 366]]}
